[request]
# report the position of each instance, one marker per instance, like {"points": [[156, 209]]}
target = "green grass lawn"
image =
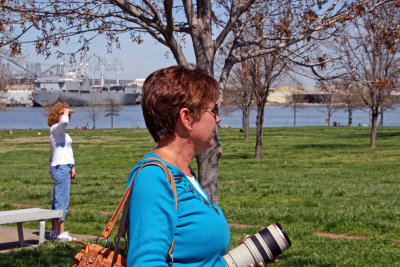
{"points": [[311, 180]]}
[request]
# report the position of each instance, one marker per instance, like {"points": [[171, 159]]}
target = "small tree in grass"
{"points": [[113, 108], [94, 111]]}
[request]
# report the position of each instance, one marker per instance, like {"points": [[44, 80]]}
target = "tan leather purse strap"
{"points": [[126, 199], [170, 178], [110, 225]]}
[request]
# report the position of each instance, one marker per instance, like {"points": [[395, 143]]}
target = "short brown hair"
{"points": [[54, 114], [167, 91]]}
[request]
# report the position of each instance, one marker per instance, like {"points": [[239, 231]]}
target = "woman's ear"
{"points": [[186, 119]]}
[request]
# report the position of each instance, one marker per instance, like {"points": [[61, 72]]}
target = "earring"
{"points": [[188, 135]]}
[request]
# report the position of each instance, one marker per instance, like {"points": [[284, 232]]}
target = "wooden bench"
{"points": [[27, 215]]}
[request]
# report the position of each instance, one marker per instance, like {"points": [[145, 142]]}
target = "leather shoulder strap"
{"points": [[170, 178], [126, 199], [153, 161]]}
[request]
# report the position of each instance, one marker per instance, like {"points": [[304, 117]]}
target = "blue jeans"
{"points": [[61, 175]]}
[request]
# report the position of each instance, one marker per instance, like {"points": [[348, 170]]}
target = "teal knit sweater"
{"points": [[199, 228]]}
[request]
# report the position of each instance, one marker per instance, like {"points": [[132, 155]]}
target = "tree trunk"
{"points": [[329, 115], [259, 122], [381, 121], [207, 162], [350, 119], [243, 119], [370, 118], [246, 118], [374, 122], [294, 113]]}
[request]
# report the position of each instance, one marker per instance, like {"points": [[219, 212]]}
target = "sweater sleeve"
{"points": [[60, 126], [151, 219]]}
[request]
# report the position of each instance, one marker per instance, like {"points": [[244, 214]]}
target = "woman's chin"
{"points": [[204, 148]]}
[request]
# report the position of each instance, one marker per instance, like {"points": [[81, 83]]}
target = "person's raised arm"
{"points": [[64, 120]]}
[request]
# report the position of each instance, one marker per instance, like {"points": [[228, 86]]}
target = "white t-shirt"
{"points": [[61, 143], [196, 185]]}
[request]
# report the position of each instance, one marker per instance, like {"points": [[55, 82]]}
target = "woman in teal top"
{"points": [[179, 108], [198, 227]]}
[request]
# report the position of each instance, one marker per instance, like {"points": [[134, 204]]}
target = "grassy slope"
{"points": [[311, 179]]}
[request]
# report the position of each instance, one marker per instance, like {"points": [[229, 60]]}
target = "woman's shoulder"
{"points": [[146, 162], [150, 179], [154, 163], [151, 167]]}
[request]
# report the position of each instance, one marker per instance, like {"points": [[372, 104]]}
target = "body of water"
{"points": [[131, 117]]}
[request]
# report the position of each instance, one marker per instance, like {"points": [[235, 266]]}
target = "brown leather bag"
{"points": [[101, 256]]}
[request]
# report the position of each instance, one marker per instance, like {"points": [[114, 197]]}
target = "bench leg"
{"points": [[41, 232], [20, 234]]}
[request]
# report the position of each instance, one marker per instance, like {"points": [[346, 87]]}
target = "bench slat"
{"points": [[25, 215]]}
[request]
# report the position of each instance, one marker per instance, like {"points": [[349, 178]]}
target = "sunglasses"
{"points": [[213, 110]]}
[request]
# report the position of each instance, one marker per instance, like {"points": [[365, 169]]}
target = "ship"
{"points": [[76, 90], [67, 83]]}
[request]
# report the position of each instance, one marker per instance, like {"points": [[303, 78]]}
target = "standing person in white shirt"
{"points": [[62, 167]]}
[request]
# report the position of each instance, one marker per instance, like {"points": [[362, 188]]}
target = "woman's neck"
{"points": [[176, 155]]}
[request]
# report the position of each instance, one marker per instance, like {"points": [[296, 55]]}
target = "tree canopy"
{"points": [[172, 23]]}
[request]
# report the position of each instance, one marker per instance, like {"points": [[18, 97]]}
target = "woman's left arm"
{"points": [[73, 173], [152, 218]]}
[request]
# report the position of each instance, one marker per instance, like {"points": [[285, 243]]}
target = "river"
{"points": [[131, 117]]}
